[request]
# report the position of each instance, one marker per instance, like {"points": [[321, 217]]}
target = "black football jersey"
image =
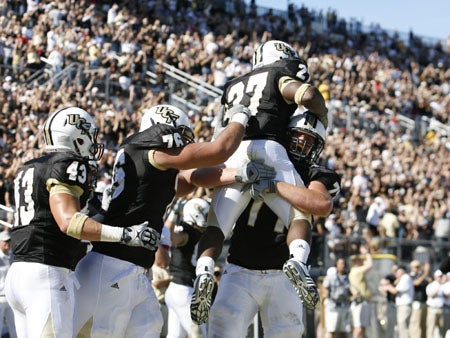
{"points": [[259, 237], [259, 91], [181, 268], [35, 236], [141, 192]]}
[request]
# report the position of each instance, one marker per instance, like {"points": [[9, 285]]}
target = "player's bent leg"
{"points": [[299, 239], [146, 320], [178, 298], [209, 248], [282, 311], [120, 287], [40, 301], [86, 296], [234, 306], [202, 298], [228, 203], [298, 274]]}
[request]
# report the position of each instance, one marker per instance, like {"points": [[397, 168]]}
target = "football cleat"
{"points": [[201, 298], [298, 275]]}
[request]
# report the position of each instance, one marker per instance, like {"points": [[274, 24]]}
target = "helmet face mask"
{"points": [[195, 212], [72, 129], [171, 116], [306, 138], [272, 51]]}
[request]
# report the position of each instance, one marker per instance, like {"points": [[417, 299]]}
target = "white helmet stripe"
{"points": [[47, 129]]}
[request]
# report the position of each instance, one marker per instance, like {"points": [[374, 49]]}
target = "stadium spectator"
{"points": [[435, 305], [403, 289], [361, 294], [337, 303], [420, 275]]}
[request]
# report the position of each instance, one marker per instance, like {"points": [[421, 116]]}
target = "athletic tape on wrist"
{"points": [[300, 92], [240, 118], [76, 225], [111, 234]]}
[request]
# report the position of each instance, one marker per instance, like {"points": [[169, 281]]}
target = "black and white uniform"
{"points": [[253, 279], [39, 284], [265, 138], [115, 290], [179, 293]]}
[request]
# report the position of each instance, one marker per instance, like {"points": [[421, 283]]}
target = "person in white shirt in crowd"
{"points": [[435, 305], [337, 304], [5, 262], [375, 213], [446, 288], [404, 293]]}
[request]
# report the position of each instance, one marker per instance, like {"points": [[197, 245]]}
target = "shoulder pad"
{"points": [[71, 169], [295, 68], [158, 136]]}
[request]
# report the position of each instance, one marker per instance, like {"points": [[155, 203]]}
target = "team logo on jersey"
{"points": [[79, 122], [168, 114]]}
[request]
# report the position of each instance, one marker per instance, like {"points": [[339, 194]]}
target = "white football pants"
{"points": [[178, 301], [230, 201], [115, 299], [242, 293], [41, 297]]}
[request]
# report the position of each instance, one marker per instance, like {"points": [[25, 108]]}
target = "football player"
{"points": [[272, 91], [48, 225], [253, 280], [185, 236], [116, 298]]}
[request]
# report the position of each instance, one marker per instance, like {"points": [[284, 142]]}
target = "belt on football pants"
{"points": [[265, 272]]}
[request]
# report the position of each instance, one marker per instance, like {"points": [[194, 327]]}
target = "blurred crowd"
{"points": [[358, 297], [395, 179]]}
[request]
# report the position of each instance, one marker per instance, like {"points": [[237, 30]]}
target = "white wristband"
{"points": [[240, 118], [205, 264], [111, 234]]}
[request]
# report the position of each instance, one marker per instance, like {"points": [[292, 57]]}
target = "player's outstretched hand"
{"points": [[141, 235], [254, 171]]}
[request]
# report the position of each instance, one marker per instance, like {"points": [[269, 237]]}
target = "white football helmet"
{"points": [[195, 212], [271, 51], [72, 129], [307, 137], [170, 115]]}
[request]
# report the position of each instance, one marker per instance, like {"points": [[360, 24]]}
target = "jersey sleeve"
{"points": [[159, 136], [329, 178], [73, 171], [296, 69]]}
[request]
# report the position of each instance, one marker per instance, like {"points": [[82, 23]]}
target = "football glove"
{"points": [[141, 235], [237, 113], [263, 186], [255, 171]]}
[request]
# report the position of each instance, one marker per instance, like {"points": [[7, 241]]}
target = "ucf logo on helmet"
{"points": [[78, 122], [284, 48], [168, 114]]}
